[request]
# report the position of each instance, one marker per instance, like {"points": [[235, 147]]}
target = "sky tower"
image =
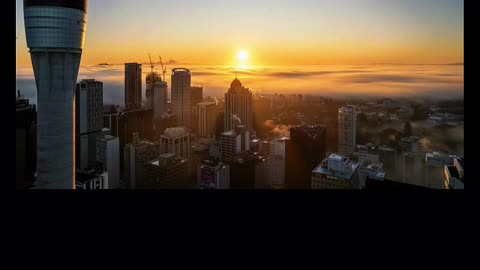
{"points": [[55, 32]]}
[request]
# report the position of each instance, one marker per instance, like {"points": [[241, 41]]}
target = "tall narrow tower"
{"points": [[181, 83], [55, 31]]}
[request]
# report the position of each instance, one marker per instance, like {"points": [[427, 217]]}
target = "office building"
{"points": [[276, 162], [133, 86], [88, 121], [213, 175], [55, 49], [167, 172], [136, 156], [235, 142], [242, 170], [91, 180], [207, 119], [196, 97], [370, 169], [238, 107], [412, 145], [347, 130], [366, 152], [157, 96], [262, 180], [108, 153], [455, 175], [181, 98], [176, 141], [26, 143], [336, 172], [304, 151]]}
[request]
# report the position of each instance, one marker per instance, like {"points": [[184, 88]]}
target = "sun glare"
{"points": [[242, 56]]}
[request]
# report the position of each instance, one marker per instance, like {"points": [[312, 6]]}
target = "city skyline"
{"points": [[272, 32]]}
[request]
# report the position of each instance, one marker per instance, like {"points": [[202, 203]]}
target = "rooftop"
{"points": [[344, 168], [175, 132]]}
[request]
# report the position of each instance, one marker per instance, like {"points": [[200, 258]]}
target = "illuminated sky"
{"points": [[274, 32]]}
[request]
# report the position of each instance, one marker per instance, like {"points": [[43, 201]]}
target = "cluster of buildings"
{"points": [[74, 141]]}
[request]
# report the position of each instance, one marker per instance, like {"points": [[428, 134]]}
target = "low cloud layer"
{"points": [[436, 81]]}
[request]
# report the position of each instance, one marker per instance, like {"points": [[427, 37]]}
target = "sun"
{"points": [[242, 56]]}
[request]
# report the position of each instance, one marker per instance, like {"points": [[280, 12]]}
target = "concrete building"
{"points": [[196, 97], [235, 142], [88, 121], [108, 153], [455, 175], [167, 172], [133, 86], [347, 130], [238, 107], [412, 145], [25, 143], [336, 172], [370, 170], [213, 175], [207, 119], [181, 97], [304, 151], [56, 49], [366, 152], [91, 180], [136, 155]]}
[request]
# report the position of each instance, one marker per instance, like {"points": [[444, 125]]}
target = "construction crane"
{"points": [[164, 69]]}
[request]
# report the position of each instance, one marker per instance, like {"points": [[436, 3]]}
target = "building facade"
{"points": [[238, 107], [213, 175], [108, 153], [347, 130], [207, 119], [167, 172], [133, 85], [181, 96]]}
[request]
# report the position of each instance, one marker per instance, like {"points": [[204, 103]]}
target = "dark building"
{"points": [[131, 121], [111, 115], [196, 96], [242, 171], [168, 121], [133, 85], [375, 184], [26, 143], [88, 121], [167, 172], [304, 151]]}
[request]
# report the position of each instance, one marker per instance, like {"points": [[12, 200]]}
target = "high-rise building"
{"points": [[88, 121], [412, 145], [207, 119], [92, 180], [55, 32], [336, 172], [213, 175], [167, 172], [370, 170], [235, 142], [136, 155], [347, 130], [176, 141], [196, 97], [238, 107], [133, 86], [157, 95], [108, 153], [26, 139], [304, 151], [181, 98], [276, 162], [455, 175]]}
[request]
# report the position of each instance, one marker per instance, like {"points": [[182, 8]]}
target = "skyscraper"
{"points": [[347, 130], [238, 106], [181, 107], [108, 153], [207, 119], [176, 141], [133, 85], [55, 32], [304, 151], [88, 121]]}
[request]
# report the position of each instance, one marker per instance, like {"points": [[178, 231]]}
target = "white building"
{"points": [[238, 107], [347, 130], [157, 95], [181, 107], [207, 119], [234, 142], [108, 153], [336, 172]]}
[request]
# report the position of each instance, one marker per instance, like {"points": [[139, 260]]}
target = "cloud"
{"points": [[278, 130]]}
